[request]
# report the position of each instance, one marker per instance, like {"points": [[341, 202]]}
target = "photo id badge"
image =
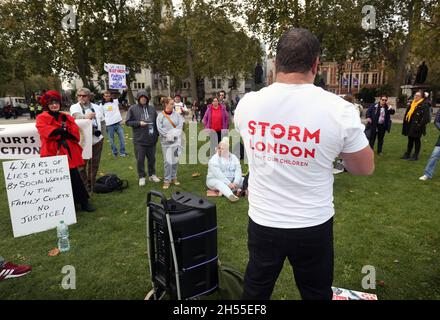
{"points": [[150, 128]]}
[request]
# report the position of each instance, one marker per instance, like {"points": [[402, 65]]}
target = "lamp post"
{"points": [[351, 75]]}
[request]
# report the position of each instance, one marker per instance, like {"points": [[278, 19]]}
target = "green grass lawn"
{"points": [[389, 220]]}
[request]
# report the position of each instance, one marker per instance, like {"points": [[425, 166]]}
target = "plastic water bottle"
{"points": [[63, 237]]}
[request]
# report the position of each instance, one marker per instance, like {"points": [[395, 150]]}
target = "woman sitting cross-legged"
{"points": [[224, 171]]}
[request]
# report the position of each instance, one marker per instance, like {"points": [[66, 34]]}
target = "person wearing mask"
{"points": [[59, 135], [141, 117], [113, 121], [378, 122], [169, 125], [292, 131], [435, 156], [224, 172], [85, 109], [414, 125]]}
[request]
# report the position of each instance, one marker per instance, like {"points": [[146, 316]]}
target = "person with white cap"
{"points": [[224, 172]]}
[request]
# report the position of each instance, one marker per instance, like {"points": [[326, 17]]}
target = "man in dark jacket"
{"points": [[379, 122], [432, 162], [142, 118]]}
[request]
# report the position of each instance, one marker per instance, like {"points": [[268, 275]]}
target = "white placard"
{"points": [[22, 141], [39, 194], [116, 76]]}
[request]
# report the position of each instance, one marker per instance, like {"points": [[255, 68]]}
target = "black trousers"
{"points": [[380, 134], [310, 253], [80, 195], [142, 152], [90, 169], [411, 142]]}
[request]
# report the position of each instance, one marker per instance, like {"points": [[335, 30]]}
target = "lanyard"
{"points": [[147, 116]]}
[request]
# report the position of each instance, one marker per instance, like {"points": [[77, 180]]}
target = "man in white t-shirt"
{"points": [[292, 132], [85, 109], [113, 121], [179, 106]]}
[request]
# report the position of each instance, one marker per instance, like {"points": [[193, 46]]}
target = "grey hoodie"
{"points": [[143, 135]]}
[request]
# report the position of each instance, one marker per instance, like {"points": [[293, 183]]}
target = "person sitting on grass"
{"points": [[224, 172]]}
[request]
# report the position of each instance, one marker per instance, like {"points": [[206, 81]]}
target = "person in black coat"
{"points": [[379, 122], [414, 124]]}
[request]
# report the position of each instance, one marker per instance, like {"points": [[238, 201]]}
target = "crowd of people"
{"points": [[290, 207]]}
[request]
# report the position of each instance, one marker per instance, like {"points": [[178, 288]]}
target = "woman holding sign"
{"points": [[59, 135]]}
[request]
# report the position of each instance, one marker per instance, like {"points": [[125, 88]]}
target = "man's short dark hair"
{"points": [[297, 50]]}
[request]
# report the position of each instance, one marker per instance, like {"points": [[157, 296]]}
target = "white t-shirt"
{"points": [[76, 108], [180, 108], [111, 112], [292, 134]]}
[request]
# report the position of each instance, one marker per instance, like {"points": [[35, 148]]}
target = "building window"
{"points": [[186, 85], [216, 83], [165, 83], [365, 78], [374, 80], [156, 84]]}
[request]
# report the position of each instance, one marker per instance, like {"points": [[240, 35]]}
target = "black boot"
{"points": [[87, 207], [414, 157], [405, 156]]}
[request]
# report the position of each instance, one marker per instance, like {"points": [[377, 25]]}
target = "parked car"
{"points": [[18, 103]]}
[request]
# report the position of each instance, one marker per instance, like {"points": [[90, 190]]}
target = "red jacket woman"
{"points": [[59, 135]]}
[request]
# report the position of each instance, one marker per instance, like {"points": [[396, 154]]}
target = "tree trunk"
{"points": [[192, 77], [413, 18], [130, 95]]}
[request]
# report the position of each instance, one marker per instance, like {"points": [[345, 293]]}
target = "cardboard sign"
{"points": [[39, 194], [116, 75], [22, 141]]}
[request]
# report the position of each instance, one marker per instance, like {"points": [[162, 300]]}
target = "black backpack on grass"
{"points": [[109, 183]]}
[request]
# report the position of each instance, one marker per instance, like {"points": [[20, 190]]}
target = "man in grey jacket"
{"points": [[142, 118]]}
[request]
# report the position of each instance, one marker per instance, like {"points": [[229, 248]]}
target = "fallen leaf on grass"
{"points": [[54, 252], [101, 174], [396, 261], [351, 191], [130, 167], [126, 211], [195, 174]]}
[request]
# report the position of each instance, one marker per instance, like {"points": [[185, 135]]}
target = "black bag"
{"points": [[109, 183]]}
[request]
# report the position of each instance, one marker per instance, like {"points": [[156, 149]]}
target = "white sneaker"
{"points": [[141, 182], [154, 178], [233, 198], [424, 177]]}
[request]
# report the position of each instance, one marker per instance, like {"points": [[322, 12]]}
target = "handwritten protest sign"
{"points": [[116, 75], [22, 141], [39, 194]]}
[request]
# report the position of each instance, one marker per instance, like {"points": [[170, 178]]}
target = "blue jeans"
{"points": [[111, 136], [432, 162]]}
